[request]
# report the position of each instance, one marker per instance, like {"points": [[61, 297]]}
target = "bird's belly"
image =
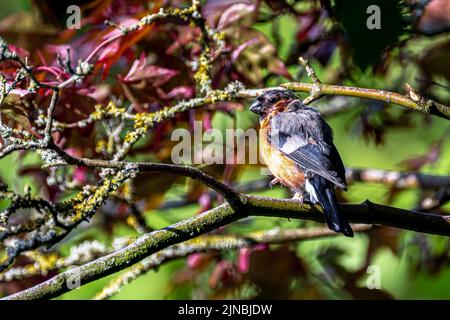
{"points": [[283, 168]]}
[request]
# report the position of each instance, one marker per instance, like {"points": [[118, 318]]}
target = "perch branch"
{"points": [[150, 243], [416, 103]]}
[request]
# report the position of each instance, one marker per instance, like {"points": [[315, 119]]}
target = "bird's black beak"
{"points": [[255, 107]]}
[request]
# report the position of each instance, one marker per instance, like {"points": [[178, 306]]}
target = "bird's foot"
{"points": [[274, 182], [299, 196]]}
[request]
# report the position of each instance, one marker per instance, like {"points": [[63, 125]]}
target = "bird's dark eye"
{"points": [[272, 99]]}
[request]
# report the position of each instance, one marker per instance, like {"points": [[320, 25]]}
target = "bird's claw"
{"points": [[274, 182]]}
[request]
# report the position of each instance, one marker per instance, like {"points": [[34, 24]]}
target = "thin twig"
{"points": [[314, 94]]}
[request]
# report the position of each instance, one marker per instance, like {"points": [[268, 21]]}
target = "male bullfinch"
{"points": [[297, 146]]}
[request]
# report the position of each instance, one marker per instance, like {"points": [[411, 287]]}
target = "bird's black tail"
{"points": [[327, 198]]}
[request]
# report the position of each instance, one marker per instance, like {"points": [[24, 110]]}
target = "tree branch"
{"points": [[397, 179], [88, 251], [412, 100], [148, 244], [389, 178], [229, 194], [216, 243]]}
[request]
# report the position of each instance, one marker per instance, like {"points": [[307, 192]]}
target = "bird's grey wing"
{"points": [[307, 140]]}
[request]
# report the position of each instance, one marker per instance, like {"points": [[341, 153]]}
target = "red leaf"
{"points": [[140, 70], [436, 17], [114, 53], [237, 52], [225, 274], [278, 67], [228, 10], [235, 13], [109, 51], [182, 92]]}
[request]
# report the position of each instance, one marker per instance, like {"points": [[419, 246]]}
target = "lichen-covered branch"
{"points": [[43, 263], [414, 101], [215, 243], [56, 220], [389, 178], [148, 244]]}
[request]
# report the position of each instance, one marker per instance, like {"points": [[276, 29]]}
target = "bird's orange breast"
{"points": [[283, 168]]}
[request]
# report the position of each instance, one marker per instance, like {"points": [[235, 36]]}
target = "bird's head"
{"points": [[265, 101]]}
